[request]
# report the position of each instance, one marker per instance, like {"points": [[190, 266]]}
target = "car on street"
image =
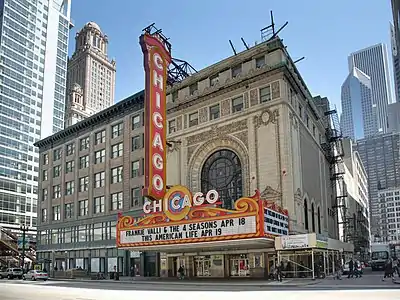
{"points": [[11, 273], [35, 275]]}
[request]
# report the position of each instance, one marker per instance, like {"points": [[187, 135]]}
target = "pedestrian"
{"points": [[388, 271], [351, 268], [181, 272], [355, 268], [338, 269], [395, 264]]}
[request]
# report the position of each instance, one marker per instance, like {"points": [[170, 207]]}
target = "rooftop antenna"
{"points": [[268, 33], [298, 60], [233, 48], [244, 43]]}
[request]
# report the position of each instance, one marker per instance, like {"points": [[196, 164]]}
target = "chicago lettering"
{"points": [[199, 199]]}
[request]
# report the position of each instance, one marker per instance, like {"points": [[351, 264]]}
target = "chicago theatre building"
{"points": [[244, 165]]}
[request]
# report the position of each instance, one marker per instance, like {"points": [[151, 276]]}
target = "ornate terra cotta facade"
{"points": [[256, 106]]}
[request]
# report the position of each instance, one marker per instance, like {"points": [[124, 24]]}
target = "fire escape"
{"points": [[334, 153]]}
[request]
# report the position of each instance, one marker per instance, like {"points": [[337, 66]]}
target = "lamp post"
{"points": [[24, 229]]}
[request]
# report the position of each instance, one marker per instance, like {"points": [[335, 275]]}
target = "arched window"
{"points": [[222, 172], [319, 220], [305, 214], [312, 217]]}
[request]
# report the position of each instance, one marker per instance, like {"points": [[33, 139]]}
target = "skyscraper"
{"points": [[33, 59], [358, 116], [91, 75], [395, 40], [373, 61]]}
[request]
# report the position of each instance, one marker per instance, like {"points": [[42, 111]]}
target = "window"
{"points": [[307, 120], [193, 88], [305, 214], [84, 162], [56, 171], [172, 126], [70, 149], [300, 111], [100, 156], [237, 104], [68, 210], [56, 213], [117, 130], [214, 112], [99, 179], [99, 204], [84, 143], [313, 130], [312, 217], [174, 96], [83, 184], [260, 62], [45, 159], [265, 94], [117, 150], [135, 169], [69, 188], [136, 122], [136, 197], [214, 80], [319, 220], [56, 154], [83, 207], [45, 175], [137, 142], [44, 215], [45, 194], [116, 175], [116, 201], [222, 171], [100, 137], [236, 71], [193, 119], [56, 191], [70, 166]]}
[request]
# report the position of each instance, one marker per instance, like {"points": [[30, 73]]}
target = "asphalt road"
{"points": [[15, 291]]}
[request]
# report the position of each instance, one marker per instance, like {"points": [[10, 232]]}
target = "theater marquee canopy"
{"points": [[195, 221]]}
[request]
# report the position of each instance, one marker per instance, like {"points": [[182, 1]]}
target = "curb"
{"points": [[198, 283]]}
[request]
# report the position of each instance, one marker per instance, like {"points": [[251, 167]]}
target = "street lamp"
{"points": [[24, 229]]}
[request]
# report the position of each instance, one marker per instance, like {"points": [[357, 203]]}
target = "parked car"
{"points": [[12, 273], [3, 273], [35, 275]]}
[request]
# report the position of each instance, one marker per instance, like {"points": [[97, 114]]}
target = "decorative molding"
{"points": [[217, 131], [208, 147], [174, 147], [266, 117], [225, 107], [253, 97], [271, 194], [190, 151], [275, 90], [243, 136], [203, 115]]}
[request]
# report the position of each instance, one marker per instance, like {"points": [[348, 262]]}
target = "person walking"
{"points": [[388, 270], [351, 268], [395, 265]]}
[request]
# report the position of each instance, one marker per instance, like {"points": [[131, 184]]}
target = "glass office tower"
{"points": [[33, 64]]}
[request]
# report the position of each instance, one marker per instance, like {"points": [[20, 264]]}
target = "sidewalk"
{"points": [[197, 281]]}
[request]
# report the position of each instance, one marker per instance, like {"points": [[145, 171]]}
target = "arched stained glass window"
{"points": [[222, 171]]}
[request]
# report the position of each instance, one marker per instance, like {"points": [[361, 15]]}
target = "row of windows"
{"points": [[100, 138], [98, 206], [137, 170]]}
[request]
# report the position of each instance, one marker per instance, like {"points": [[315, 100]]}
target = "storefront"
{"points": [[206, 240], [311, 256]]}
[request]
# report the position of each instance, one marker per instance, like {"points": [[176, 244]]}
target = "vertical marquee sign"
{"points": [[156, 61]]}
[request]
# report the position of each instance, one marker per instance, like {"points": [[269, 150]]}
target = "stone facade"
{"points": [[277, 138]]}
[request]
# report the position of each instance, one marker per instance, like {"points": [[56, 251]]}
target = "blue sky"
{"points": [[325, 32]]}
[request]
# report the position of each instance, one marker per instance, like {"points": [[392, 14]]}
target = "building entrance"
{"points": [[239, 265], [202, 266]]}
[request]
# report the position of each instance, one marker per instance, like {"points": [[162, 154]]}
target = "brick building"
{"points": [[245, 123]]}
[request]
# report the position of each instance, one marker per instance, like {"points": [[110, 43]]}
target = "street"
{"points": [[369, 286]]}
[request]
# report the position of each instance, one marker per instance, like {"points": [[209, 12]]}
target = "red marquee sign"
{"points": [[156, 61]]}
